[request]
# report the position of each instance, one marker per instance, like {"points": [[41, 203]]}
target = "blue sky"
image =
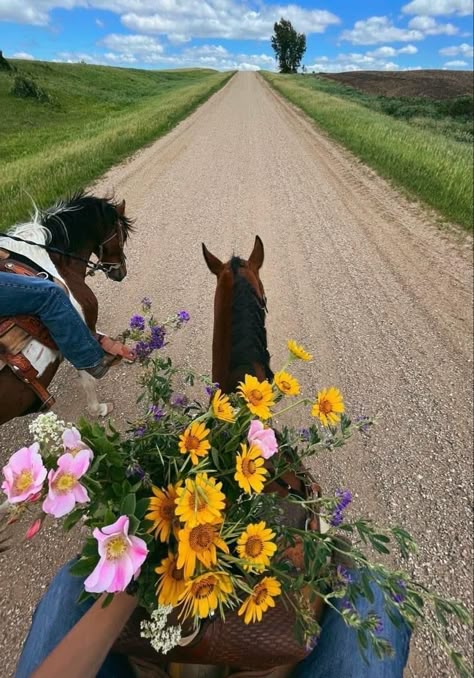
{"points": [[341, 35]]}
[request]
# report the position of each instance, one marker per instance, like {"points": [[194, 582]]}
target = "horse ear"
{"points": [[255, 260], [214, 264], [121, 208]]}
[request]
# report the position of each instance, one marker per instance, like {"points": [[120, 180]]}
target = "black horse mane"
{"points": [[249, 336], [81, 219]]}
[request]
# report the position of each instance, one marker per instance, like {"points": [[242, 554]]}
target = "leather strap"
{"points": [[24, 370], [32, 326]]}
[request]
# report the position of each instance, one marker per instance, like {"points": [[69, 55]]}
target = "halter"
{"points": [[93, 266]]}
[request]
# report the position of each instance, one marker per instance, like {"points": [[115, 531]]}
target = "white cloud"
{"points": [[182, 20], [429, 26], [464, 50], [387, 51], [438, 7], [76, 57], [456, 64], [99, 23], [23, 55], [224, 19], [135, 45], [378, 29], [355, 61]]}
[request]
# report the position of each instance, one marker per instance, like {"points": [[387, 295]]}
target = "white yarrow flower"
{"points": [[162, 638], [47, 430]]}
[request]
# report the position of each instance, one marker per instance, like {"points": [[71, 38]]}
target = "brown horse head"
{"points": [[239, 344]]}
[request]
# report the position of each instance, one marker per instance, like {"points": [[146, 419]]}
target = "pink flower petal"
{"points": [[100, 578], [80, 494], [120, 526], [34, 528], [60, 505], [71, 438], [80, 463], [123, 574], [138, 552], [255, 427]]}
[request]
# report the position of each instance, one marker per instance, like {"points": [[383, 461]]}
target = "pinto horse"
{"points": [[58, 244], [239, 344]]}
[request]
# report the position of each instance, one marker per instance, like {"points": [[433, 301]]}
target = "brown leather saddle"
{"points": [[16, 333]]}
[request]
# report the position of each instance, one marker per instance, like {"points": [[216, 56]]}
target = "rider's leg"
{"points": [[56, 614], [337, 653], [20, 294]]}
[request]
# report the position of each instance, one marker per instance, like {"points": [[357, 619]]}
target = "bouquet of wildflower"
{"points": [[182, 510]]}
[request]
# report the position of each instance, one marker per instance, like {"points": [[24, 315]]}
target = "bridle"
{"points": [[92, 266]]}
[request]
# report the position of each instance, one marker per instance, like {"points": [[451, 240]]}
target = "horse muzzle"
{"points": [[117, 274]]}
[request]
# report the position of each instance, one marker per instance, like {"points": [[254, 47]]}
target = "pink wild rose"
{"points": [[24, 474], [121, 557], [73, 442], [65, 490], [263, 438]]}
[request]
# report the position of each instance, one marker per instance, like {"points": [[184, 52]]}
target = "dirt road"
{"points": [[359, 275]]}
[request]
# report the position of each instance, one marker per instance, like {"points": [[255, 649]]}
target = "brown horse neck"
{"points": [[74, 272]]}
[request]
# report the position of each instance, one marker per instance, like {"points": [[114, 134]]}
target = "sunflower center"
{"points": [[255, 396], [65, 482], [248, 467], [286, 386], [260, 593], [254, 546], [177, 572], [192, 443], [197, 502], [325, 406], [167, 510], [201, 537], [23, 480], [115, 548], [203, 588]]}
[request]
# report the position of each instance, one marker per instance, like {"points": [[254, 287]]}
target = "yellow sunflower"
{"points": [[329, 406], [171, 584], [200, 501], [287, 384], [255, 546], [162, 512], [193, 441], [203, 594], [201, 543], [258, 395], [222, 408], [298, 351], [251, 472], [261, 598]]}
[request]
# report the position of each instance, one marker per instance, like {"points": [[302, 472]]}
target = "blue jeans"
{"points": [[24, 295], [336, 655]]}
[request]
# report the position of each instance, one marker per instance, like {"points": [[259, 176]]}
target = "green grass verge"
{"points": [[94, 117], [429, 164]]}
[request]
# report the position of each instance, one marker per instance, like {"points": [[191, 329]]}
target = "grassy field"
{"points": [[419, 144], [90, 118]]}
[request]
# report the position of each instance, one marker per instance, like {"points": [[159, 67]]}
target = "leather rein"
{"points": [[93, 266]]}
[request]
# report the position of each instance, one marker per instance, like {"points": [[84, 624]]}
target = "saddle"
{"points": [[17, 332]]}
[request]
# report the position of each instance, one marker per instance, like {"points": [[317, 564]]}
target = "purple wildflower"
{"points": [[311, 643], [378, 628], [183, 316], [304, 434], [212, 388], [343, 575], [157, 338], [146, 304], [363, 423], [137, 322], [179, 400], [135, 471], [157, 412], [142, 349], [400, 597], [345, 498], [140, 431], [347, 605]]}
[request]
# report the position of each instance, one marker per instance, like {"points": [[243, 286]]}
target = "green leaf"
{"points": [[134, 524], [107, 600], [73, 518], [84, 566], [128, 505], [142, 507]]}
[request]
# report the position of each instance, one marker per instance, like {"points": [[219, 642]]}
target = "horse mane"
{"points": [[249, 336], [73, 222]]}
